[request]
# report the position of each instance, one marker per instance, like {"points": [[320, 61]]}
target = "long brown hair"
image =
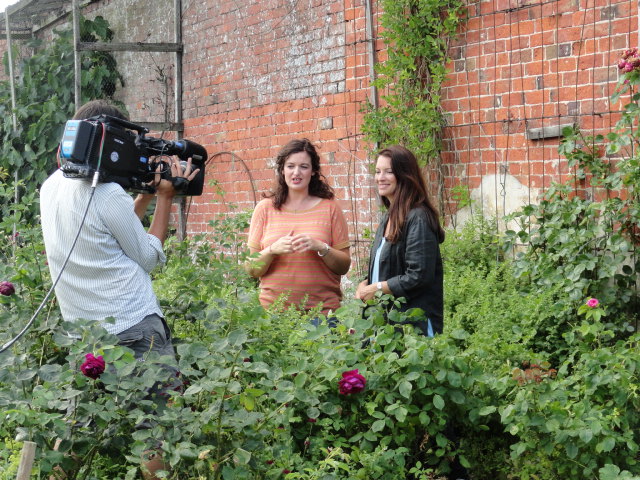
{"points": [[318, 187], [411, 192]]}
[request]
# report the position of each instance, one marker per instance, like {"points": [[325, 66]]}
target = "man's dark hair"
{"points": [[99, 107]]}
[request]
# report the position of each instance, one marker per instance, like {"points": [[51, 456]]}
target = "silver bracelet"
{"points": [[326, 251]]}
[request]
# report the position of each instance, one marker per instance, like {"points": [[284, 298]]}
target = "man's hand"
{"points": [[165, 192], [168, 187], [165, 187]]}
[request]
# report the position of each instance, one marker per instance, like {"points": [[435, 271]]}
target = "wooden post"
{"points": [[26, 461]]}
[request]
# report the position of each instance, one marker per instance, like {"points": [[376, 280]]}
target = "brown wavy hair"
{"points": [[318, 187], [411, 192]]}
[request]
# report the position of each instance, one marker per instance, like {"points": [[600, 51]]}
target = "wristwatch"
{"points": [[379, 286], [326, 250]]}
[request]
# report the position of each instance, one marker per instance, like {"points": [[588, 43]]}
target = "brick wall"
{"points": [[257, 74], [521, 66], [260, 76]]}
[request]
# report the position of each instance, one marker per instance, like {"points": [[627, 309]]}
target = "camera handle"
{"points": [[180, 184]]}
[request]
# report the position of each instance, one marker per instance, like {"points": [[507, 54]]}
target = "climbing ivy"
{"points": [[44, 102], [417, 35]]}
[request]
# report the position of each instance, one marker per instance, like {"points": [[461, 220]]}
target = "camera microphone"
{"points": [[185, 149]]}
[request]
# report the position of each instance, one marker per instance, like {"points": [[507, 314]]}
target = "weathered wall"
{"points": [[521, 66], [149, 77], [259, 73]]}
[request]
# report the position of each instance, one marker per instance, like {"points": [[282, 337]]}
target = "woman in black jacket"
{"points": [[405, 257]]}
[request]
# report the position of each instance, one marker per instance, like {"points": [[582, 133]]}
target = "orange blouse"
{"points": [[303, 278]]}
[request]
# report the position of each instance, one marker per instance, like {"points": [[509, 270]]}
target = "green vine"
{"points": [[44, 102], [417, 35]]}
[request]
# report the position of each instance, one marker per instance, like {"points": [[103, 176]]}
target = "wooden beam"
{"points": [[130, 47], [162, 126]]}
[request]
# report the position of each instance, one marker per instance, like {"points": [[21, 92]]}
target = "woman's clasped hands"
{"points": [[298, 243]]}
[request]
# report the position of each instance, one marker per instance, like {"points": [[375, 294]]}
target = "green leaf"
{"points": [[438, 402], [378, 426], [571, 449], [488, 410], [457, 396], [193, 390], [401, 414], [241, 456], [405, 389], [606, 445], [27, 374], [586, 435]]}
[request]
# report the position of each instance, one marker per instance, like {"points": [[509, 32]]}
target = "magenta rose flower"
{"points": [[593, 302], [92, 366], [351, 382], [7, 289]]}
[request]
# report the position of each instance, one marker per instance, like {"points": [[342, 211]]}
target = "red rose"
{"points": [[351, 382], [7, 289], [92, 366]]}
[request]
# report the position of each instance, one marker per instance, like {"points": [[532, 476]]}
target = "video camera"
{"points": [[119, 151]]}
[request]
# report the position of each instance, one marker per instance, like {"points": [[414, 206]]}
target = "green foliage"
{"points": [[44, 102], [586, 243], [587, 416], [261, 390], [417, 35]]}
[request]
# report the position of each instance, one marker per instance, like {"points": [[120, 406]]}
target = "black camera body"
{"points": [[120, 152]]}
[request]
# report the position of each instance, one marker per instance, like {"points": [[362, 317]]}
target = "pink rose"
{"points": [[351, 382], [593, 302], [92, 366], [7, 289]]}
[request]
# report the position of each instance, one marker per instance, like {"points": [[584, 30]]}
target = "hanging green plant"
{"points": [[44, 102], [417, 35]]}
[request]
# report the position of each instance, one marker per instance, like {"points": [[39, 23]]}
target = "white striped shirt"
{"points": [[108, 272]]}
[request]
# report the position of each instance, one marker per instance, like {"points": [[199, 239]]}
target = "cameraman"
{"points": [[107, 276]]}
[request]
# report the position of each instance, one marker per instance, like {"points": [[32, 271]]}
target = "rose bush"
{"points": [[263, 387]]}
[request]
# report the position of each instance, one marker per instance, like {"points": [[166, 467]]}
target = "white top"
{"points": [[375, 274], [108, 272]]}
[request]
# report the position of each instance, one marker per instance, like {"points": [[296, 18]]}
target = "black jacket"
{"points": [[412, 267]]}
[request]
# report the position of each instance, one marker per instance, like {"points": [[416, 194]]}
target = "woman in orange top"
{"points": [[298, 236]]}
